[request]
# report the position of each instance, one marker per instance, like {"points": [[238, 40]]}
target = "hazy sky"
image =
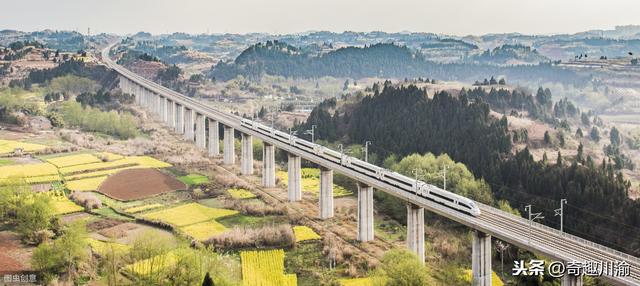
{"points": [[459, 17]]}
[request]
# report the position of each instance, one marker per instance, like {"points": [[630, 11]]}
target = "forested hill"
{"points": [[379, 60], [403, 120]]}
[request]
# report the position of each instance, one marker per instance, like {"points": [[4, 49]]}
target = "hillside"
{"points": [[378, 60], [403, 120], [510, 55]]}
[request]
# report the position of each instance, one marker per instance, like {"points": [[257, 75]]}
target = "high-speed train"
{"points": [[405, 183]]}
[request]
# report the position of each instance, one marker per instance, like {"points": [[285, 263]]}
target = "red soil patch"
{"points": [[135, 184], [14, 257]]}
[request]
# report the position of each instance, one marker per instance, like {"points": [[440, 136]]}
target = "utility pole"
{"points": [[366, 150], [342, 152], [312, 131], [560, 212], [532, 217], [444, 176]]}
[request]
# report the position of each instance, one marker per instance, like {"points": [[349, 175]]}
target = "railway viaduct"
{"points": [[200, 123]]}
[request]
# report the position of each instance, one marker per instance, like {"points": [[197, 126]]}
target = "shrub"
{"points": [[243, 237], [88, 200], [255, 209]]}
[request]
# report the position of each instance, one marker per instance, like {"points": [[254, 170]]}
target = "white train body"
{"points": [[421, 189]]}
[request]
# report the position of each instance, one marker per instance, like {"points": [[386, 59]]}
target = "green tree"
{"points": [[33, 218], [595, 134], [585, 119], [65, 254], [72, 246], [559, 160], [46, 261], [399, 267], [547, 138], [12, 193], [614, 135], [580, 154], [459, 179]]}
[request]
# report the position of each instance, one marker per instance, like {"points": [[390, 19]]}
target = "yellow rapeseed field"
{"points": [[90, 184], [61, 204], [72, 160], [265, 268], [8, 146], [240, 194], [143, 161], [188, 214], [356, 282], [150, 265], [28, 170], [304, 233], [495, 279], [42, 179], [204, 230], [101, 247]]}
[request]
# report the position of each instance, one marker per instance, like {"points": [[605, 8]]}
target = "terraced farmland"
{"points": [[28, 170], [204, 230], [187, 214], [73, 160], [142, 208], [8, 146], [265, 268]]}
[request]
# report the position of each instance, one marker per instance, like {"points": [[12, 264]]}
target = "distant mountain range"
{"points": [[379, 60]]}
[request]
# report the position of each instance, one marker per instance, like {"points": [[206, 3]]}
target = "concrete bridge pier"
{"points": [[158, 106], [179, 118], [570, 280], [229, 149], [214, 140], [268, 165], [200, 132], [365, 212], [164, 108], [155, 100], [415, 230], [188, 124], [481, 259], [171, 113], [138, 91], [246, 156], [294, 184], [326, 193]]}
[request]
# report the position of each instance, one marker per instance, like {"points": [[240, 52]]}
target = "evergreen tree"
{"points": [[547, 138], [580, 154], [559, 161], [579, 133], [595, 134], [207, 280], [614, 135]]}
